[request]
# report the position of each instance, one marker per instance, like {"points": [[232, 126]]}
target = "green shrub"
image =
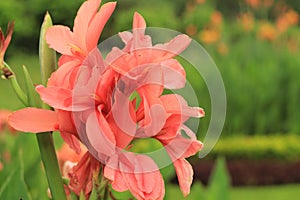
{"points": [[280, 147]]}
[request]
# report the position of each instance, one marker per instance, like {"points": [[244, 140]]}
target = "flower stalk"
{"points": [[45, 140], [7, 73]]}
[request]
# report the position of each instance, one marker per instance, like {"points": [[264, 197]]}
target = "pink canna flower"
{"points": [[151, 68], [91, 98], [160, 116]]}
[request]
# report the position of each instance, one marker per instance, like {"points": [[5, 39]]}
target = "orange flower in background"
{"points": [[200, 1], [247, 21], [4, 121], [292, 17], [209, 36], [222, 48], [253, 3], [66, 155], [267, 32], [191, 30], [216, 19], [286, 20], [267, 3]]}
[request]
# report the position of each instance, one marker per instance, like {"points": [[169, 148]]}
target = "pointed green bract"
{"points": [[47, 55], [32, 95]]}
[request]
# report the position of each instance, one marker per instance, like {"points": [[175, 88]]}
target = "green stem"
{"points": [[48, 155], [106, 192], [13, 80]]}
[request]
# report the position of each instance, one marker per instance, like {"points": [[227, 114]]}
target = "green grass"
{"points": [[281, 192]]}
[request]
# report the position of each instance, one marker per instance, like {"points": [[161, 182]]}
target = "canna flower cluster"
{"points": [[107, 103]]}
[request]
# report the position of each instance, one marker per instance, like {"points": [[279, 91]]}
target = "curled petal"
{"points": [[172, 48], [154, 116], [184, 173], [112, 172], [100, 135], [142, 177], [123, 113]]}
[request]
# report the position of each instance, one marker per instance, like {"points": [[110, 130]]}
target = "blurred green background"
{"points": [[255, 44]]}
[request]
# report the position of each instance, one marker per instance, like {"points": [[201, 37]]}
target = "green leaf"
{"points": [[219, 182], [32, 95], [15, 187], [121, 195], [197, 192]]}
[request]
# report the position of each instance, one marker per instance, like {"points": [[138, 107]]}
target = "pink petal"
{"points": [[173, 48], [174, 74], [64, 76], [60, 38], [64, 59], [120, 61], [34, 120], [170, 130], [123, 113], [97, 24], [138, 21], [176, 104], [184, 173], [122, 139], [143, 177], [83, 18], [155, 116], [119, 183], [112, 172], [182, 147], [72, 141], [66, 122], [126, 37], [56, 97], [100, 135]]}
